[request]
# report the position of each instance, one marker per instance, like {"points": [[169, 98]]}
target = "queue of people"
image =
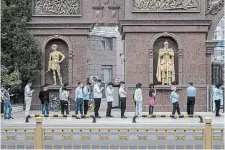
{"points": [[82, 95]]}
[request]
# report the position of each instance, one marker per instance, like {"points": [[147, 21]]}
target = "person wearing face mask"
{"points": [[44, 98], [79, 98], [123, 95], [109, 97], [97, 97]]}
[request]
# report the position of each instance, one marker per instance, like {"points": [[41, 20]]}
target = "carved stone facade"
{"points": [[57, 7], [213, 7], [188, 23], [165, 5]]}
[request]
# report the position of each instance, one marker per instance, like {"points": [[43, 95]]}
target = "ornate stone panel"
{"points": [[165, 5], [57, 7], [214, 6]]}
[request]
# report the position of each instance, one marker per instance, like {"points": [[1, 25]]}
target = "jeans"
{"points": [[80, 103], [64, 107], [45, 109], [86, 106], [109, 108], [7, 104], [97, 106], [217, 102], [190, 105], [123, 105], [176, 107], [138, 108]]}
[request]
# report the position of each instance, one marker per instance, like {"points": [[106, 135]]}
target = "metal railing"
{"points": [[60, 116], [113, 138], [168, 116]]}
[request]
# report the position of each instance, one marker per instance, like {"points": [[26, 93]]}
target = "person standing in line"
{"points": [[64, 99], [97, 97], [86, 92], [28, 98], [79, 98], [136, 87], [7, 103], [151, 100], [123, 95], [191, 94], [174, 97], [44, 97], [138, 98], [109, 97], [217, 97]]}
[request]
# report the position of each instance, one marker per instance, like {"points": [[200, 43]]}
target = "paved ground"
{"points": [[113, 123], [19, 121]]}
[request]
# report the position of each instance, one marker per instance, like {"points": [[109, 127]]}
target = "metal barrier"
{"points": [[61, 116], [168, 116], [113, 138]]}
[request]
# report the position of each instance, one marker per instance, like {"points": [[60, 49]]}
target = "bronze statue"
{"points": [[165, 67], [54, 62]]}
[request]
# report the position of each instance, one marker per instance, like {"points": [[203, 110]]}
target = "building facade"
{"points": [[144, 25]]}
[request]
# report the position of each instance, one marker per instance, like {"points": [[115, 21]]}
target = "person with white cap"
{"points": [[174, 97]]}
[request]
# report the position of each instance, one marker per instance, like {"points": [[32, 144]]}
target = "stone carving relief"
{"points": [[214, 6], [56, 7], [165, 5]]}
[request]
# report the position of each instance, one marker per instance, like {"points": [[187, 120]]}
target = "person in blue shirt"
{"points": [[174, 97], [191, 94], [217, 97], [86, 95], [79, 98]]}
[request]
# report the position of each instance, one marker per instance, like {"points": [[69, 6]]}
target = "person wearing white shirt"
{"points": [[28, 98], [123, 95], [64, 99], [217, 96], [79, 98], [97, 97], [138, 99], [109, 97], [86, 94]]}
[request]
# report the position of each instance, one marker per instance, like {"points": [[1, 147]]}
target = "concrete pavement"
{"points": [[116, 121]]}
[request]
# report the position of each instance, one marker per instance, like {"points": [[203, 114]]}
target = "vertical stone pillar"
{"points": [[208, 133], [38, 134]]}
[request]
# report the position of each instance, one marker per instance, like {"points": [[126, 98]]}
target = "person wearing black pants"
{"points": [[191, 94], [86, 95], [64, 99], [97, 97], [174, 97], [109, 97], [123, 95], [217, 97]]}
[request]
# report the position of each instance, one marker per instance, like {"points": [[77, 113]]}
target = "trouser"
{"points": [[176, 107], [97, 105], [7, 104], [45, 109], [28, 103], [2, 107], [217, 102], [123, 105], [190, 105], [151, 108], [64, 107], [86, 106], [109, 108], [138, 108], [80, 103]]}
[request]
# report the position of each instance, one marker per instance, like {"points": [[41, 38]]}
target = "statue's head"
{"points": [[54, 47], [166, 44]]}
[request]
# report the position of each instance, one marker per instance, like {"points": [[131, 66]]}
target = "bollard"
{"points": [[208, 133], [38, 134]]}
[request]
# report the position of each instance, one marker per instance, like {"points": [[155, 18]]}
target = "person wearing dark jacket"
{"points": [[44, 97]]}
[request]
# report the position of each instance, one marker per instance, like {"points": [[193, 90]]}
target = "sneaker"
{"points": [[123, 117], [98, 117], [218, 115], [111, 116], [10, 118], [5, 118]]}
